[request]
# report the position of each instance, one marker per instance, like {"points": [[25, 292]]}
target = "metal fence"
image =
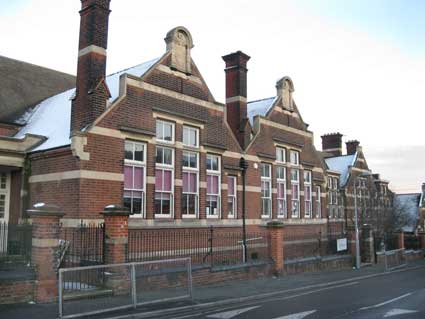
{"points": [[299, 244], [15, 243], [411, 241], [215, 247], [82, 245], [98, 289]]}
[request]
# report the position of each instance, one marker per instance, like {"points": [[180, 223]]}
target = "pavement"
{"points": [[370, 283]]}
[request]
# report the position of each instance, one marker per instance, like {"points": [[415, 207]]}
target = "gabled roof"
{"points": [[409, 205], [259, 107], [52, 117], [24, 85], [342, 165]]}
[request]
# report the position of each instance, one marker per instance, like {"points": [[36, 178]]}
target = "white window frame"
{"points": [[281, 150], [215, 173], [186, 169], [133, 164], [281, 181], [296, 183], [191, 128], [294, 157], [6, 193], [234, 197], [268, 180], [166, 167], [335, 190], [318, 202], [330, 195], [173, 127], [308, 206]]}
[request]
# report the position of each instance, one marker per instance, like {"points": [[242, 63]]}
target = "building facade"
{"points": [[153, 138]]}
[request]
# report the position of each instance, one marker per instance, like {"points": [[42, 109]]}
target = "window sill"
{"points": [[265, 217], [213, 217], [189, 217], [140, 216], [162, 217]]}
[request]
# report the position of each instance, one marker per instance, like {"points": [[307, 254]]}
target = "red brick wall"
{"points": [[16, 291]]}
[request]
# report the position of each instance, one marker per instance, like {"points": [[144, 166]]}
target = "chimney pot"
{"points": [[352, 147], [332, 143]]}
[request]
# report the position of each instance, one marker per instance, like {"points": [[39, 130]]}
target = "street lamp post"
{"points": [[356, 226], [243, 164], [356, 220]]}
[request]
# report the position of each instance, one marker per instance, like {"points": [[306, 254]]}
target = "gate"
{"points": [[82, 246]]}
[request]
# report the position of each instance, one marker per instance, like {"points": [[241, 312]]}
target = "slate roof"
{"points": [[342, 165], [409, 204], [259, 107], [24, 85], [52, 117]]}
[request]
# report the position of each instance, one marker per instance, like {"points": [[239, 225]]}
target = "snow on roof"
{"points": [[342, 165], [259, 107], [52, 117], [409, 205]]}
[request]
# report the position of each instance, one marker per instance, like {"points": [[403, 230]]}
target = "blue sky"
{"points": [[398, 21], [358, 66]]}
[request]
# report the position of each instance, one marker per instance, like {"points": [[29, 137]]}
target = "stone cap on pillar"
{"points": [[116, 210], [275, 224], [44, 209]]}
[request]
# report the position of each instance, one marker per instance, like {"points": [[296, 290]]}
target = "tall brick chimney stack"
{"points": [[332, 143], [236, 93], [352, 147], [92, 93]]}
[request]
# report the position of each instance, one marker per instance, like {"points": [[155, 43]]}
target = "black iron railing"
{"points": [[210, 246], [15, 243], [82, 245]]}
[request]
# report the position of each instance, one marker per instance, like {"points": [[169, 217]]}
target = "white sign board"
{"points": [[341, 244]]}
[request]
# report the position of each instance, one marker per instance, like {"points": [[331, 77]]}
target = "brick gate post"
{"points": [[368, 245], [422, 239], [116, 233], [400, 240], [351, 241], [275, 229], [116, 248], [45, 244]]}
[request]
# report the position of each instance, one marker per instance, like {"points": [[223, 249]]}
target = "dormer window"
{"points": [[164, 131], [295, 158], [280, 155]]}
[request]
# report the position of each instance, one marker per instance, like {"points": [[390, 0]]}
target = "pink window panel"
{"points": [[163, 180], [138, 177], [128, 177], [280, 190], [231, 186], [307, 193], [212, 184], [189, 182], [295, 191]]}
